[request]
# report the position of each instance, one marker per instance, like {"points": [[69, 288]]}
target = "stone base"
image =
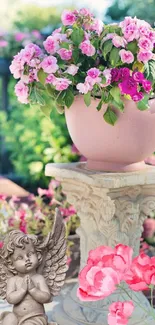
{"points": [[70, 311]]}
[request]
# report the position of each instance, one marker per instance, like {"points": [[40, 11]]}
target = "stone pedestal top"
{"points": [[78, 172]]}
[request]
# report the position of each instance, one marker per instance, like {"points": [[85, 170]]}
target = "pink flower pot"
{"points": [[122, 147]]}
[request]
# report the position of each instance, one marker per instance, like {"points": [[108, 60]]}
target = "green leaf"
{"points": [[60, 109], [87, 98], [69, 98], [150, 70], [77, 36], [110, 117], [144, 103], [99, 106], [75, 55], [46, 109], [39, 98], [40, 86], [61, 98], [42, 76], [51, 91], [107, 46], [133, 47], [114, 56], [117, 102], [65, 45]]}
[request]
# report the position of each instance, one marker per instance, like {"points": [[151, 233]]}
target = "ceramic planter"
{"points": [[122, 147]]}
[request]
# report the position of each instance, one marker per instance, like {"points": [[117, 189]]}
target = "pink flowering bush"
{"points": [[110, 62], [12, 42], [35, 215], [107, 269]]}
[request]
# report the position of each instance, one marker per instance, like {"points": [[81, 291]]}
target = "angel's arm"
{"points": [[14, 296], [42, 293]]}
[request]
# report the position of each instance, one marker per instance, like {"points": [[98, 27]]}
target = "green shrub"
{"points": [[33, 140]]}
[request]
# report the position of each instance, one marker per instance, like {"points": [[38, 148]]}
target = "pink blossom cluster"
{"points": [[140, 31], [105, 270], [95, 76], [131, 83]]}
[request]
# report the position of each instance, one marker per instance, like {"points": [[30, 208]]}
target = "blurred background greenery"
{"points": [[28, 139]]}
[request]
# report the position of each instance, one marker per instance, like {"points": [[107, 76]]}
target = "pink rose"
{"points": [[119, 312], [126, 56], [83, 88], [147, 85], [68, 18], [49, 64], [96, 282], [131, 32], [65, 54], [87, 48], [144, 56], [22, 92], [145, 44], [119, 41], [61, 83], [51, 45], [72, 69]]}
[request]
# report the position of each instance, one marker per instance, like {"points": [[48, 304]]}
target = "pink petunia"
{"points": [[126, 56], [49, 64], [51, 45], [68, 18], [87, 48], [65, 54], [22, 92], [144, 56], [61, 83]]}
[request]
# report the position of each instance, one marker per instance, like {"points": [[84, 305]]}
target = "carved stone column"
{"points": [[112, 208]]}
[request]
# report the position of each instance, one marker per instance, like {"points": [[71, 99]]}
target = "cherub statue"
{"points": [[31, 273]]}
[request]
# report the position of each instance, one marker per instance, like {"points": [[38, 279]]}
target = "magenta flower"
{"points": [[115, 74], [124, 73], [147, 85], [138, 76], [128, 86], [137, 97]]}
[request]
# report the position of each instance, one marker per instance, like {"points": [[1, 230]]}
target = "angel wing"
{"points": [[54, 265], [3, 279]]}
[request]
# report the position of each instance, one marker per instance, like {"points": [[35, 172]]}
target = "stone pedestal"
{"points": [[112, 208]]}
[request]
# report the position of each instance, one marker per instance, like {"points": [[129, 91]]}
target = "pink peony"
{"points": [[65, 54], [68, 18], [144, 56], [83, 88], [49, 64], [119, 41], [51, 45], [145, 44], [87, 48], [147, 85], [72, 69], [119, 312], [126, 56], [96, 282], [61, 83], [22, 92]]}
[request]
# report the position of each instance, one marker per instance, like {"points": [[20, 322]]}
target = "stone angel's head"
{"points": [[21, 253]]}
